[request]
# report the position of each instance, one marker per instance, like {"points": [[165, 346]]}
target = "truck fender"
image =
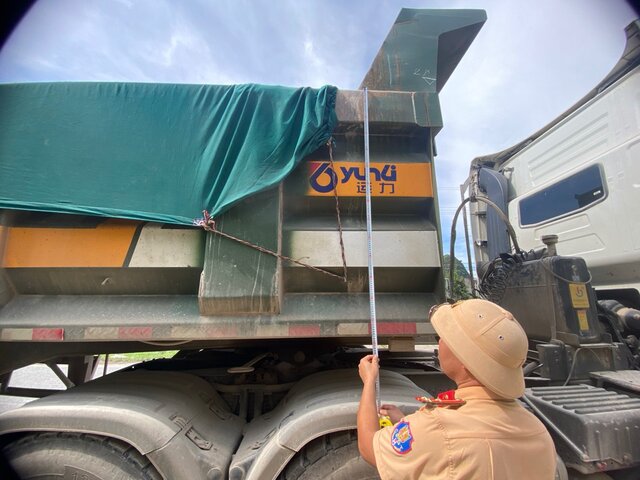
{"points": [[167, 416], [318, 405]]}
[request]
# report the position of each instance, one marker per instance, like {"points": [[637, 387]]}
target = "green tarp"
{"points": [[159, 152]]}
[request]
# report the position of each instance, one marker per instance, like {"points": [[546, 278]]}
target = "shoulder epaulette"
{"points": [[444, 399]]}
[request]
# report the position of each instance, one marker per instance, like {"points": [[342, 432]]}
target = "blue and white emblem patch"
{"points": [[401, 438]]}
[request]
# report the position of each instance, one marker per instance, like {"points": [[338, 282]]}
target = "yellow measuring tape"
{"points": [[384, 421]]}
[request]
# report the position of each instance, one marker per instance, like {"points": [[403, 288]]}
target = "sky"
{"points": [[530, 62]]}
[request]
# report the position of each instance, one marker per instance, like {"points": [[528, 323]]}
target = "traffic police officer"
{"points": [[480, 430]]}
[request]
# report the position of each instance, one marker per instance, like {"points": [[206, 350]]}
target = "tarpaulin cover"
{"points": [[159, 152]]}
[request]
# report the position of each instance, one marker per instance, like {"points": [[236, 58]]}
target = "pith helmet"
{"points": [[488, 341]]}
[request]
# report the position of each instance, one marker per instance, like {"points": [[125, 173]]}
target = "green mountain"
{"points": [[461, 271]]}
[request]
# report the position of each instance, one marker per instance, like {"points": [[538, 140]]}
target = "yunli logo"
{"points": [[324, 179]]}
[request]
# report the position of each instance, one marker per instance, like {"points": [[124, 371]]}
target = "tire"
{"points": [[332, 457], [56, 456]]}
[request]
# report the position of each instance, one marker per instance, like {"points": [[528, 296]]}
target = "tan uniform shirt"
{"points": [[485, 439]]}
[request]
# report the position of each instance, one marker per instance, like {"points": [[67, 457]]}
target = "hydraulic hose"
{"points": [[503, 217]]}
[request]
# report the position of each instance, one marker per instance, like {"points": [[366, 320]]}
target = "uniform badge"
{"points": [[401, 438]]}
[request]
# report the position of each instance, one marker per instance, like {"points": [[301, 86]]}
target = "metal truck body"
{"points": [[265, 383]]}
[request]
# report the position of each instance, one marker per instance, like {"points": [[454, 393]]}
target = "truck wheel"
{"points": [[72, 455], [332, 457]]}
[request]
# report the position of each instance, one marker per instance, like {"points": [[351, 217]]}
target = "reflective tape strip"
{"points": [[33, 334], [384, 328], [48, 334], [205, 332], [425, 328], [304, 330], [397, 328], [133, 333], [100, 333], [272, 331], [354, 329], [17, 334], [215, 331]]}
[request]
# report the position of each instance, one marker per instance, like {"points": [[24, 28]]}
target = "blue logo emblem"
{"points": [[401, 438], [323, 185]]}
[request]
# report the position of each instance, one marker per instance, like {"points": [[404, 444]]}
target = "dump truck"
{"points": [[228, 223], [265, 298]]}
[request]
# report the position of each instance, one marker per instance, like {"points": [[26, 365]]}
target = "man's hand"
{"points": [[391, 411], [368, 423], [368, 369]]}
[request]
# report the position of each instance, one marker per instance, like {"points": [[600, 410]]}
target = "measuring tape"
{"points": [[384, 421]]}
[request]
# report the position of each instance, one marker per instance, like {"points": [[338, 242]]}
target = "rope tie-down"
{"points": [[209, 225]]}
